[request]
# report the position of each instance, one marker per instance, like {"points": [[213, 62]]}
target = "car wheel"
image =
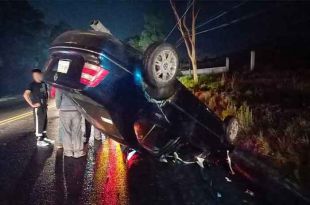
{"points": [[231, 129], [160, 65]]}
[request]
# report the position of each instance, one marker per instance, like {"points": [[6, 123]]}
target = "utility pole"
{"points": [[252, 61], [227, 63]]}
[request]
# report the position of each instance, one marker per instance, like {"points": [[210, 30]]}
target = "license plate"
{"points": [[63, 66]]}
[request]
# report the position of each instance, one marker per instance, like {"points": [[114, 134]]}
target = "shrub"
{"points": [[209, 82], [207, 78], [230, 110], [258, 145], [205, 82], [232, 83], [188, 81], [245, 117]]}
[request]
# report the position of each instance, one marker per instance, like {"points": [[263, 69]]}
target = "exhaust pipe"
{"points": [[98, 26]]}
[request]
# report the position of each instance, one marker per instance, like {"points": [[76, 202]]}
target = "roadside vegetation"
{"points": [[273, 109]]}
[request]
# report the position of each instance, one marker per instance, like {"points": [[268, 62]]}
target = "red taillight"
{"points": [[92, 75]]}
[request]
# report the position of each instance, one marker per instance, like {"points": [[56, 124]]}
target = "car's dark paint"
{"points": [[121, 96]]}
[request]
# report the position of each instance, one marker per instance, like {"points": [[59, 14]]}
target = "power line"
{"points": [[223, 13], [233, 21], [217, 16], [230, 23], [188, 7]]}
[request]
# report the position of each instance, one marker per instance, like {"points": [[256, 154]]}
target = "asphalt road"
{"points": [[31, 175]]}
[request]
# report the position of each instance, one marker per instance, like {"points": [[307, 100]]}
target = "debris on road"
{"points": [[163, 159], [219, 195], [227, 179], [229, 163], [176, 156], [249, 192], [200, 161]]}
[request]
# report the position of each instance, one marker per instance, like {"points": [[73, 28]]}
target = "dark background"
{"points": [[28, 27]]}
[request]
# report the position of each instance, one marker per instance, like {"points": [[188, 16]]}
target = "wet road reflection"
{"points": [[69, 177], [31, 175], [110, 178], [142, 180], [104, 177]]}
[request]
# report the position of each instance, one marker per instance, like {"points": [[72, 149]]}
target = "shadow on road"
{"points": [[24, 186], [16, 160], [69, 181], [150, 182]]}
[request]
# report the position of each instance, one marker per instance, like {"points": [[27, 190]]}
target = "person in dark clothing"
{"points": [[36, 96]]}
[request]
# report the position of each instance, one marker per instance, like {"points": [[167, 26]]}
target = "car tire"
{"points": [[231, 129], [160, 65]]}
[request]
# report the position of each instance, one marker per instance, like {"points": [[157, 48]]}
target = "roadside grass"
{"points": [[273, 109]]}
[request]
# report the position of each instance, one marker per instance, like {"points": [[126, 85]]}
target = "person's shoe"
{"points": [[60, 146], [79, 154], [48, 140], [98, 137], [42, 144]]}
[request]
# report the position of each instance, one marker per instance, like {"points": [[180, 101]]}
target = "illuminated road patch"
{"points": [[110, 179]]}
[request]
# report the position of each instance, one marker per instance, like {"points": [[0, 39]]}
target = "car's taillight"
{"points": [[92, 75]]}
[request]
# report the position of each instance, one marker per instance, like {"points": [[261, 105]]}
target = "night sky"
{"points": [[257, 21], [123, 18], [237, 26]]}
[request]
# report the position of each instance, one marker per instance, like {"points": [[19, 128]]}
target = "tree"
{"points": [[152, 32], [25, 39], [22, 28], [188, 35]]}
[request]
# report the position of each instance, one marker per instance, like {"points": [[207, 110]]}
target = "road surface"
{"points": [[31, 175]]}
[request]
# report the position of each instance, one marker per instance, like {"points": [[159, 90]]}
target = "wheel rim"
{"points": [[165, 66], [233, 130]]}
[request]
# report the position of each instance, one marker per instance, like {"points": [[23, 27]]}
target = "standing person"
{"points": [[97, 134], [36, 96], [70, 126]]}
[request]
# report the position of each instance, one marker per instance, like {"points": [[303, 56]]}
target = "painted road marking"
{"points": [[18, 117]]}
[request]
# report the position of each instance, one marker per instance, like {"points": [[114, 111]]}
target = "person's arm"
{"points": [[28, 99]]}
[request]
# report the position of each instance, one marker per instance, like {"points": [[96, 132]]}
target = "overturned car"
{"points": [[135, 98]]}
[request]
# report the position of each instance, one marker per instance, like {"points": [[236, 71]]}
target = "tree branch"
{"points": [[188, 35], [181, 28]]}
